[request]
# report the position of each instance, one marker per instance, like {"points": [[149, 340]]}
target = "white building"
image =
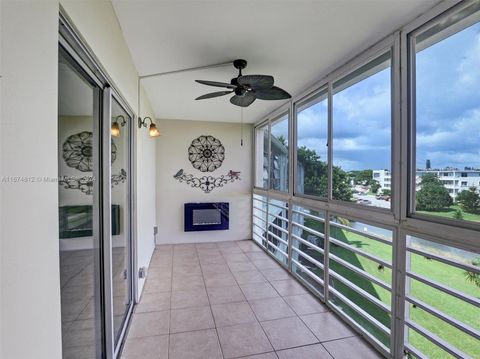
{"points": [[384, 178], [454, 180]]}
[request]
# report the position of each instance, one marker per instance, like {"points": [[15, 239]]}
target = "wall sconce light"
{"points": [[117, 123], [152, 129]]}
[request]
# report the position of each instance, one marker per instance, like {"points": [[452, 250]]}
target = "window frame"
{"points": [[408, 39]]}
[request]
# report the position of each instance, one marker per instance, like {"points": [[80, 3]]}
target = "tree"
{"points": [[363, 177], [315, 176], [458, 214], [473, 277], [469, 200], [386, 192], [432, 196], [375, 186]]}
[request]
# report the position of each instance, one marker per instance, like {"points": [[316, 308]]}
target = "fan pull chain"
{"points": [[241, 126]]}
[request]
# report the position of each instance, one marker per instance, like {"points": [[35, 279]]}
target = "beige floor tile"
{"points": [[152, 302], [235, 257], [271, 308], [242, 340], [214, 269], [327, 326], [344, 349], [186, 270], [189, 298], [316, 351], [249, 277], [253, 291], [288, 287], [288, 333], [220, 280], [232, 314], [187, 282], [241, 266], [276, 274], [305, 304], [214, 259], [221, 295], [189, 319], [200, 344], [156, 286], [266, 263], [146, 347], [149, 324], [271, 355]]}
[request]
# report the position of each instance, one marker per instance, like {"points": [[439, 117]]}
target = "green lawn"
{"points": [[450, 212], [431, 269]]}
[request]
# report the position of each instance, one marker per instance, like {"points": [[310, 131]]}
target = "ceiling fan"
{"points": [[247, 88]]}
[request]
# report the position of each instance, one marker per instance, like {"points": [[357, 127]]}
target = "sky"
{"points": [[448, 111]]}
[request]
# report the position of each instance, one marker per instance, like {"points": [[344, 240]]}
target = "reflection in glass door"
{"points": [[95, 231], [121, 214], [79, 211]]}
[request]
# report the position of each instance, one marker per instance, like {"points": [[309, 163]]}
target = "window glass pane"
{"points": [[448, 118], [261, 156], [312, 146], [279, 156], [360, 274], [362, 135], [278, 229], [307, 246], [428, 289]]}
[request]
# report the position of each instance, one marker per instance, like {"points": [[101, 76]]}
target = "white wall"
{"points": [[97, 23], [30, 324], [171, 194], [30, 310]]}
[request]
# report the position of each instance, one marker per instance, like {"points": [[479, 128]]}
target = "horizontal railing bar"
{"points": [[305, 228], [278, 227], [453, 292], [359, 328], [277, 205], [260, 209], [360, 311], [260, 200], [307, 257], [446, 318], [278, 216], [361, 233], [309, 272], [308, 215], [278, 249], [260, 218], [256, 225], [359, 251], [437, 340], [360, 291], [373, 279], [438, 258], [412, 350], [278, 238], [307, 243]]}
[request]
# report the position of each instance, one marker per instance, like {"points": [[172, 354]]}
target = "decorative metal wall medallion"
{"points": [[78, 151], [85, 184], [207, 183], [206, 153]]}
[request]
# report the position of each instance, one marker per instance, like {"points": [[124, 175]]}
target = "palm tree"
{"points": [[472, 277]]}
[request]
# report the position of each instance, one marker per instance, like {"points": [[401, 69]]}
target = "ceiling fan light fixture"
{"points": [[247, 88]]}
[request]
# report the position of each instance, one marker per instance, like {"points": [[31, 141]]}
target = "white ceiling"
{"points": [[295, 41]]}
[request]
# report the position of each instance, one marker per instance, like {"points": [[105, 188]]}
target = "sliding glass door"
{"points": [[95, 217]]}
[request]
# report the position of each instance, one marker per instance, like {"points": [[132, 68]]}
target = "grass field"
{"points": [[450, 213], [439, 272]]}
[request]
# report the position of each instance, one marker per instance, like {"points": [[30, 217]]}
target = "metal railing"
{"points": [[353, 265]]}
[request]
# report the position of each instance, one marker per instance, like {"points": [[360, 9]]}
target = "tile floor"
{"points": [[231, 300]]}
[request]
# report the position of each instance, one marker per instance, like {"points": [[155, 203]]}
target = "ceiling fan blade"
{"points": [[256, 81], [216, 84], [213, 94], [274, 93], [243, 101]]}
